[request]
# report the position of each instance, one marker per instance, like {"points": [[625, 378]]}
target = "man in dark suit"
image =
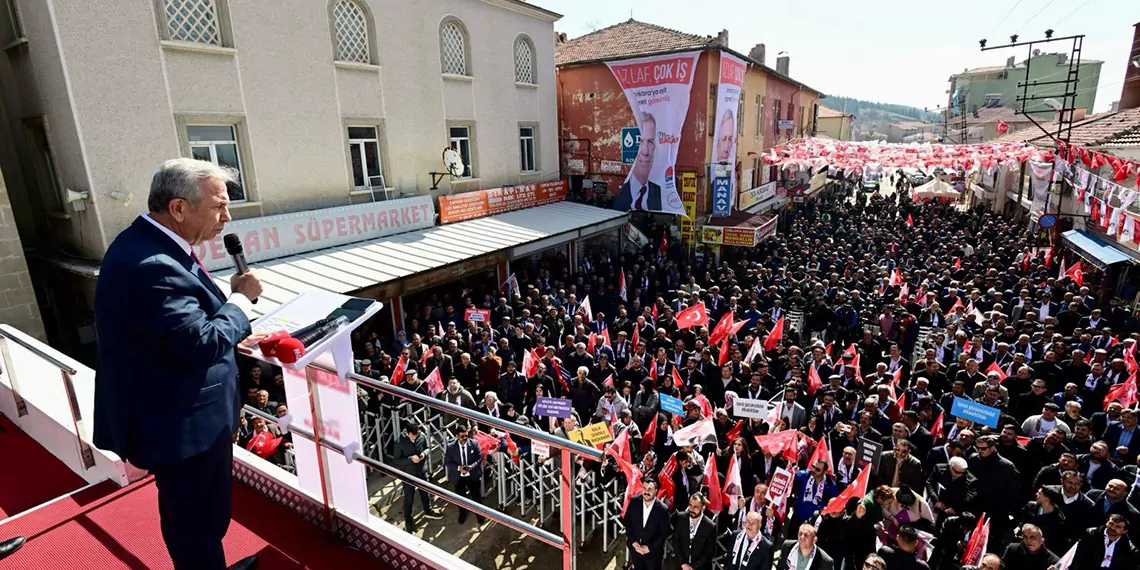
{"points": [[1123, 438], [1106, 547], [900, 468], [694, 536], [804, 547], [751, 550], [638, 192], [646, 528], [155, 302], [464, 462]]}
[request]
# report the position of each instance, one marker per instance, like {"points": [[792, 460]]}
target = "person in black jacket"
{"points": [[645, 534], [1106, 547], [694, 536], [409, 455], [1030, 553]]}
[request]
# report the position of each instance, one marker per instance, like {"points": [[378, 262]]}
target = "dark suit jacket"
{"points": [[1112, 438], [701, 549], [910, 473], [822, 560], [760, 559], [624, 199], [155, 309], [1090, 552], [651, 535], [452, 460]]}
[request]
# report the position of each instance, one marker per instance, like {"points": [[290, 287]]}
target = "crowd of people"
{"points": [[870, 274]]}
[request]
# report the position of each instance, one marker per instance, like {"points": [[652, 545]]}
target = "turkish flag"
{"points": [[263, 444], [712, 481], [814, 383], [434, 383], [677, 381], [976, 546], [939, 422], [398, 371], [822, 453], [665, 481], [993, 367], [857, 488], [957, 263], [1125, 393], [895, 412], [896, 278], [1076, 274], [650, 435], [773, 339], [909, 221], [721, 328], [692, 316], [1002, 127], [530, 363]]}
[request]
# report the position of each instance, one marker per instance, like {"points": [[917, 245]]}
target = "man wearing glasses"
{"points": [[812, 489], [999, 484]]}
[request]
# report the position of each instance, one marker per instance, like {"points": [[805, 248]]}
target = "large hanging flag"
{"points": [[657, 89], [691, 317]]}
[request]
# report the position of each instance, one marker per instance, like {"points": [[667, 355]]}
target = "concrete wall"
{"points": [[117, 97], [18, 306], [838, 128]]}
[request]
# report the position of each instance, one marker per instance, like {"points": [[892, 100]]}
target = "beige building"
{"points": [[318, 103], [834, 124]]}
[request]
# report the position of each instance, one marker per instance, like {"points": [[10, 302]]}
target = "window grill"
{"points": [[192, 21], [524, 62], [454, 46], [351, 32]]}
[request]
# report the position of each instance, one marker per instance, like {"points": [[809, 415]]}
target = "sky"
{"points": [[891, 51]]}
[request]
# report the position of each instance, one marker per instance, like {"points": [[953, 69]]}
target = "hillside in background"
{"points": [[874, 120]]}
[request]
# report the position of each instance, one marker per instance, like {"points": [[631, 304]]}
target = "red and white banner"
{"points": [[658, 92], [732, 72]]}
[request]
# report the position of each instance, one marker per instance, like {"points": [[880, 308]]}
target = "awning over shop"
{"points": [[465, 246], [740, 229], [1093, 249]]}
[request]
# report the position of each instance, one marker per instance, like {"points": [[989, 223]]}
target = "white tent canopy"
{"points": [[935, 189]]}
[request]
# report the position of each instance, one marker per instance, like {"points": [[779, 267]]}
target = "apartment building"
{"points": [[317, 103]]}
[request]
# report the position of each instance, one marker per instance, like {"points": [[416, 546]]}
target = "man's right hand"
{"points": [[247, 284]]}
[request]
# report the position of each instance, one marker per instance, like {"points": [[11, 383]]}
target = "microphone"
{"points": [[268, 344], [237, 252], [289, 350], [316, 335], [310, 328]]}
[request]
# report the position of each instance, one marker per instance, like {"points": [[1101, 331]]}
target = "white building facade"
{"points": [[318, 103]]}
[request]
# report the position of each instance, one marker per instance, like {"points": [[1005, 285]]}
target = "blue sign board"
{"points": [[672, 405], [630, 142], [722, 196], [553, 407], [1047, 220], [975, 412]]}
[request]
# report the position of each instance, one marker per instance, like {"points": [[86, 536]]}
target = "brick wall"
{"points": [[18, 306]]}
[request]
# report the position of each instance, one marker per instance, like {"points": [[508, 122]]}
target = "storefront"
{"points": [[738, 230], [479, 241], [1106, 266]]}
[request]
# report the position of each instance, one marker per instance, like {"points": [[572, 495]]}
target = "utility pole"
{"points": [[1063, 103]]}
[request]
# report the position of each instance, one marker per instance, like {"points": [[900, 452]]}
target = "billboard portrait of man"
{"points": [[638, 192], [726, 141]]}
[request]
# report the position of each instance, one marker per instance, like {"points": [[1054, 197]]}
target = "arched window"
{"points": [[453, 48], [524, 60], [351, 26]]}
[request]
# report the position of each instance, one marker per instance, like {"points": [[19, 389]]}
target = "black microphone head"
{"points": [[233, 244]]}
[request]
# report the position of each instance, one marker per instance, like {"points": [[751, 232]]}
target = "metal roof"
{"points": [[346, 268], [1094, 250]]}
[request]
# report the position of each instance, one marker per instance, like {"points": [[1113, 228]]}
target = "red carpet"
{"points": [[34, 477], [110, 528]]}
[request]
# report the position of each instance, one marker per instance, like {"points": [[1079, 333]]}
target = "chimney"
{"points": [[722, 38], [757, 53], [1011, 62], [559, 37], [782, 64]]}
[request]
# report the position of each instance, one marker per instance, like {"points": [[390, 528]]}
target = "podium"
{"points": [[337, 481]]}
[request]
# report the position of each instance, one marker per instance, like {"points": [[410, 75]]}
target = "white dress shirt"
{"points": [[239, 299]]}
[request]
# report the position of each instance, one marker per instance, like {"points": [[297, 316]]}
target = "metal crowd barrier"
{"points": [[434, 415]]}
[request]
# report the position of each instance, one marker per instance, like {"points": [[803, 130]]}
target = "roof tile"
{"points": [[627, 39]]}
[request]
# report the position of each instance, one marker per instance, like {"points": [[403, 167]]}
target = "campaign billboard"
{"points": [[657, 89], [724, 133]]}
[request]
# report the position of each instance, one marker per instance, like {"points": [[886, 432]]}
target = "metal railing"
{"points": [[371, 454], [66, 371]]}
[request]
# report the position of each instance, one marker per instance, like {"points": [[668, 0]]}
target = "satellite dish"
{"points": [[452, 162]]}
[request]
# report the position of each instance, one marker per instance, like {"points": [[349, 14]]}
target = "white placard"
{"points": [[539, 448], [745, 408]]}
